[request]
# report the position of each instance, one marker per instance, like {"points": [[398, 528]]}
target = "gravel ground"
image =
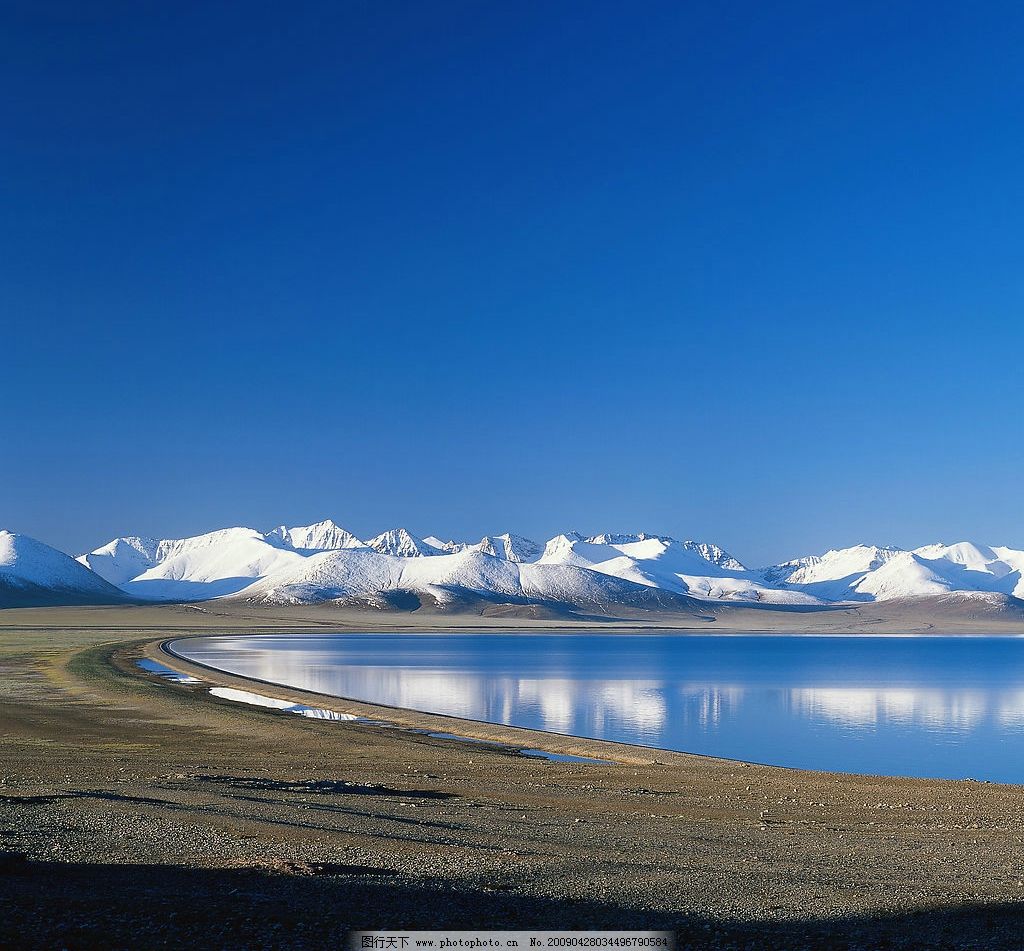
{"points": [[137, 813]]}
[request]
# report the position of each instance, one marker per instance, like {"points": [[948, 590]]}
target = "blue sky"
{"points": [[734, 272]]}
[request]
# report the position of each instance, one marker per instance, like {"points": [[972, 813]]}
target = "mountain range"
{"points": [[608, 573]]}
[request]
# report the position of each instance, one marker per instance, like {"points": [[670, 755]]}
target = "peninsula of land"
{"points": [[134, 812]]}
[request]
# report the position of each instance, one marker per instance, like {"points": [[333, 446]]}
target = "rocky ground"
{"points": [[137, 813]]}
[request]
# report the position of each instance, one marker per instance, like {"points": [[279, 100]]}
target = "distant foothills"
{"points": [[610, 574]]}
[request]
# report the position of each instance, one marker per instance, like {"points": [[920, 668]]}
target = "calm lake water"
{"points": [[943, 706]]}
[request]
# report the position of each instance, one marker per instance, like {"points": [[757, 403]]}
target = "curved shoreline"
{"points": [[141, 808], [562, 744]]}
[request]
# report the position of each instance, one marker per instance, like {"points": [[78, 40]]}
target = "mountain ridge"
{"points": [[32, 574], [323, 562]]}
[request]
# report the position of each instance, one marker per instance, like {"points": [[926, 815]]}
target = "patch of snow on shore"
{"points": [[258, 700]]}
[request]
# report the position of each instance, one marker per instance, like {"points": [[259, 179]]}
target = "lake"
{"points": [[931, 706]]}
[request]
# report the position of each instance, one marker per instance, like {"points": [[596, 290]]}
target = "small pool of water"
{"points": [[945, 706]]}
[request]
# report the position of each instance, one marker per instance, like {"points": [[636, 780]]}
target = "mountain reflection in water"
{"points": [[947, 706]]}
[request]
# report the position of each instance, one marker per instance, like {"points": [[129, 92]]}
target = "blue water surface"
{"points": [[936, 706]]}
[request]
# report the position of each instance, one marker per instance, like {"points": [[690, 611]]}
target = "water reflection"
{"points": [[864, 706], [936, 706]]}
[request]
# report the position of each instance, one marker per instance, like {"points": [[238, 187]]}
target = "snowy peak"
{"points": [[34, 573], [562, 548], [402, 544], [574, 548], [211, 565], [715, 555], [660, 561], [449, 580], [510, 547], [966, 566], [122, 559], [872, 573], [970, 555], [834, 565], [125, 559], [322, 561], [172, 547], [625, 538], [143, 546], [441, 545], [323, 536]]}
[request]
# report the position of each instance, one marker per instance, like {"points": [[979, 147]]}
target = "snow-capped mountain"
{"points": [[403, 544], [324, 562], [323, 536], [210, 566], [32, 573], [712, 553], [834, 576], [368, 576], [945, 569], [870, 573], [123, 559], [658, 561], [443, 547], [510, 547], [182, 569]]}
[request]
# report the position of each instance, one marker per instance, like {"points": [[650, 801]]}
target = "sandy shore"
{"points": [[154, 815]]}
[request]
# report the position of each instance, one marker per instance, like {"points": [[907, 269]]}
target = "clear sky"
{"points": [[742, 272]]}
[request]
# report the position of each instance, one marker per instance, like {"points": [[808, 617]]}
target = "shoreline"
{"points": [[145, 811], [484, 731]]}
